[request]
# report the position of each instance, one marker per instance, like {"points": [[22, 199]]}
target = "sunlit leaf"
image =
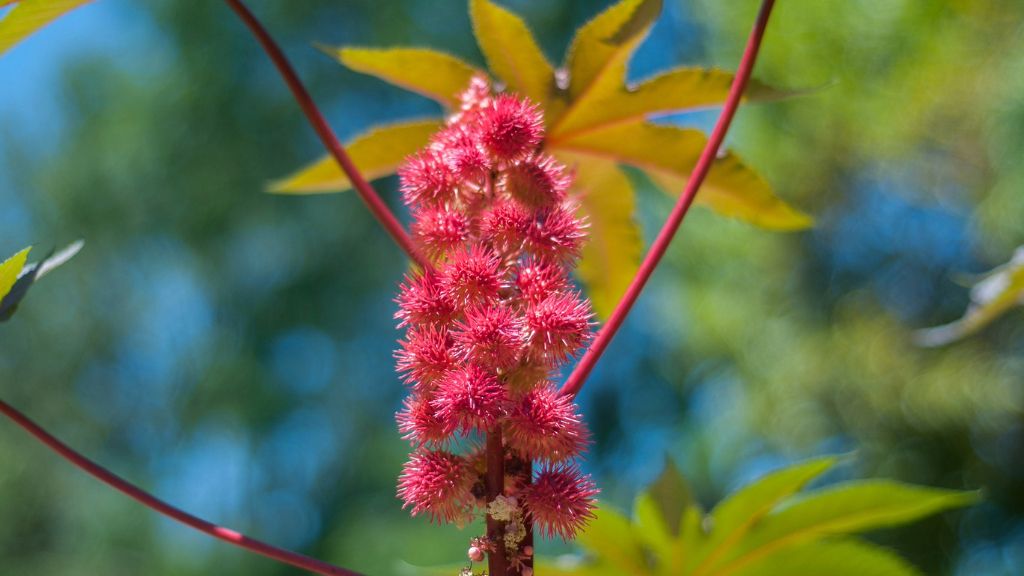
{"points": [[612, 253], [844, 557], [511, 52], [436, 75], [668, 155], [732, 519], [376, 153], [842, 509], [996, 294], [611, 537], [10, 269], [674, 91], [597, 58], [28, 16], [672, 494], [28, 275]]}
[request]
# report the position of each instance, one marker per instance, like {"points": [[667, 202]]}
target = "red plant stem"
{"points": [[147, 499], [377, 206], [497, 563], [586, 364]]}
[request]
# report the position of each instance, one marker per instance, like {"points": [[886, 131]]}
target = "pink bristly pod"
{"points": [[489, 323]]}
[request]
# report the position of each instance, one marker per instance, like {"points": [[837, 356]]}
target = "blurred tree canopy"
{"points": [[231, 349]]}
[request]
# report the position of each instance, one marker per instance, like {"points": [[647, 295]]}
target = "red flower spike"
{"points": [[511, 128], [469, 399], [425, 356], [559, 326], [421, 301], [545, 425], [471, 276], [506, 225], [561, 501], [437, 483], [537, 182], [419, 424], [474, 99], [427, 180], [558, 235], [538, 279], [439, 230], [491, 336]]}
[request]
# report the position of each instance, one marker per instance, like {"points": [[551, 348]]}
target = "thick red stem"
{"points": [[668, 231], [497, 562], [377, 206], [147, 499]]}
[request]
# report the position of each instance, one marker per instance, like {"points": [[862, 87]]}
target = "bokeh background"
{"points": [[231, 350]]}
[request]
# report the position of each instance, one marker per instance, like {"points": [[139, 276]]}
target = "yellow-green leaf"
{"points": [[668, 155], [1001, 290], [736, 515], [436, 75], [10, 269], [611, 537], [673, 91], [376, 153], [511, 52], [612, 253], [599, 52], [29, 16], [843, 557]]}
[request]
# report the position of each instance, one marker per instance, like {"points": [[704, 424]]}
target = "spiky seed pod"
{"points": [[461, 150], [561, 500], [425, 356], [506, 226], [421, 301], [557, 235], [511, 127], [490, 335], [538, 279], [544, 425], [419, 424], [559, 326], [440, 230], [437, 483], [469, 398], [427, 179], [471, 276], [539, 181]]}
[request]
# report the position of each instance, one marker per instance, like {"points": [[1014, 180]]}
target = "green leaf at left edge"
{"points": [[376, 153], [841, 557], [597, 57], [846, 508], [28, 16], [674, 91], [611, 255], [669, 153], [10, 269], [436, 75], [512, 53]]}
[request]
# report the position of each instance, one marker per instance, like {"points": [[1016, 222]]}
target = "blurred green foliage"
{"points": [[232, 349]]}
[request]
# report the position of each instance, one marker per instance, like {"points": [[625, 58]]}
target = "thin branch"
{"points": [[668, 231], [147, 499], [330, 140]]}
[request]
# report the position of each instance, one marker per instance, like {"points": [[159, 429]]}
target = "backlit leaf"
{"points": [[27, 275], [668, 155], [611, 255], [611, 537], [376, 153], [512, 53], [845, 557], [436, 75], [672, 494], [674, 91], [736, 515], [597, 58], [28, 16], [996, 294], [10, 269]]}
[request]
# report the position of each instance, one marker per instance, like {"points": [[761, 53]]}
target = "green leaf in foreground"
{"points": [[376, 153], [28, 16]]}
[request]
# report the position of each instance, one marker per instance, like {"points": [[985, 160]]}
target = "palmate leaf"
{"points": [[998, 292], [767, 528], [512, 53], [28, 16], [10, 269], [668, 154], [376, 153], [612, 254], [430, 73]]}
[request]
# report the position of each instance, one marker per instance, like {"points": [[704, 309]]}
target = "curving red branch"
{"points": [[330, 140], [146, 499], [586, 364]]}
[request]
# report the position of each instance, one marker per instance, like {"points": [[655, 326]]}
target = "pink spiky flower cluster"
{"points": [[491, 322]]}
